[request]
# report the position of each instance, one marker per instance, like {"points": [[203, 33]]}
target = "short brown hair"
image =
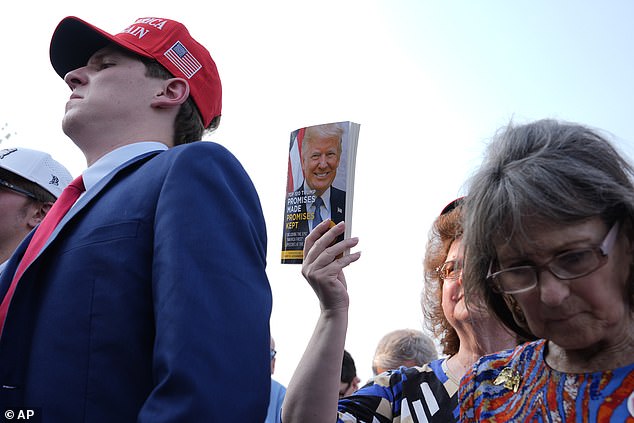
{"points": [[188, 126]]}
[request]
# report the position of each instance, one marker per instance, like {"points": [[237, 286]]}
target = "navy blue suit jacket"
{"points": [[150, 302]]}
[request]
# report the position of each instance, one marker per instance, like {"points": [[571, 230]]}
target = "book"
{"points": [[320, 182]]}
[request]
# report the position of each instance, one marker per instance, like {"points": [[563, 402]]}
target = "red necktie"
{"points": [[65, 201]]}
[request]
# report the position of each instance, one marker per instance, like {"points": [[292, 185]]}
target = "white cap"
{"points": [[36, 166]]}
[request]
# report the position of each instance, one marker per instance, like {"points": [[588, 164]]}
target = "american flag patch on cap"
{"points": [[183, 59]]}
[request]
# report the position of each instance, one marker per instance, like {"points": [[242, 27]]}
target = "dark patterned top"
{"points": [[414, 394], [528, 390]]}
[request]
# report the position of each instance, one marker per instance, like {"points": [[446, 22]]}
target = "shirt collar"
{"points": [[325, 196], [116, 158]]}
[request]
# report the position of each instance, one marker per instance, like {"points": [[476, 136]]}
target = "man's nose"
{"points": [[76, 77]]}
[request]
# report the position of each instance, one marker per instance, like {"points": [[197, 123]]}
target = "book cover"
{"points": [[320, 182]]}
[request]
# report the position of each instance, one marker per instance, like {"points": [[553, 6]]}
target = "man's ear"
{"points": [[38, 211], [174, 92]]}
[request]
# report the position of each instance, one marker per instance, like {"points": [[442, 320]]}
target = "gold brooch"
{"points": [[509, 377]]}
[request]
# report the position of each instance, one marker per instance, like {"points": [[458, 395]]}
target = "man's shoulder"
{"points": [[300, 188], [196, 148], [199, 153], [276, 386], [202, 160], [336, 191], [337, 196]]}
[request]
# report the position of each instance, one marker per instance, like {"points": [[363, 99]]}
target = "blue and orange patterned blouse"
{"points": [[518, 386]]}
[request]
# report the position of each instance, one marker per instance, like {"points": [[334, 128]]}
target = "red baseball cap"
{"points": [[164, 40]]}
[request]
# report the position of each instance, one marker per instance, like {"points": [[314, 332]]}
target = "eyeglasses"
{"points": [[10, 186], [568, 265], [450, 270], [273, 353]]}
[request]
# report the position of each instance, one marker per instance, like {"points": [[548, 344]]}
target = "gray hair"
{"points": [[544, 172], [403, 345], [327, 130]]}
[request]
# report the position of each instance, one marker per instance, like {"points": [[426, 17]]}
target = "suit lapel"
{"points": [[12, 265], [94, 192]]}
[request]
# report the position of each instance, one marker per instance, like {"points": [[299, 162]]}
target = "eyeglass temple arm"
{"points": [[610, 239]]}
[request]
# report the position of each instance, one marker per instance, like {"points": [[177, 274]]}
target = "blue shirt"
{"points": [[278, 391]]}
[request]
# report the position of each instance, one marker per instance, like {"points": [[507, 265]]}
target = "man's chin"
{"points": [[319, 189]]}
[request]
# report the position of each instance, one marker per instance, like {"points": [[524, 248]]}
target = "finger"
{"points": [[327, 281], [348, 259], [321, 238], [322, 254], [342, 246], [332, 259], [314, 235]]}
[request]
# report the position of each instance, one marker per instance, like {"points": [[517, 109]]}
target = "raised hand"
{"points": [[324, 262]]}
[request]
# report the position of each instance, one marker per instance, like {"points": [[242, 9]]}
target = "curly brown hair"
{"points": [[446, 229]]}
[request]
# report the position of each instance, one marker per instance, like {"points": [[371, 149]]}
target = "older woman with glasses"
{"points": [[549, 220], [417, 394]]}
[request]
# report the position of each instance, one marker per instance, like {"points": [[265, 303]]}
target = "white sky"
{"points": [[429, 82]]}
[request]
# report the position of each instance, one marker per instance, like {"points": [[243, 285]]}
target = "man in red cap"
{"points": [[149, 301]]}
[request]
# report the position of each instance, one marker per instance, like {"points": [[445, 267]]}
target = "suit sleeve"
{"points": [[212, 299]]}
